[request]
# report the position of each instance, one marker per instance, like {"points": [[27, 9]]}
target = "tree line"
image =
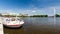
{"points": [[57, 15]]}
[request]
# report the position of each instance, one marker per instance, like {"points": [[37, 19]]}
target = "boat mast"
{"points": [[16, 16]]}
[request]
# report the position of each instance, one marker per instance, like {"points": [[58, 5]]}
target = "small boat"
{"points": [[12, 22]]}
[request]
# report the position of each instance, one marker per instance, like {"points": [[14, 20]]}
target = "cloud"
{"points": [[6, 11], [33, 11], [48, 10]]}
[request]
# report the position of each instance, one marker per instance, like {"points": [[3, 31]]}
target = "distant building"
{"points": [[13, 14]]}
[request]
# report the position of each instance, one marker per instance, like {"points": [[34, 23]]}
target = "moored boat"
{"points": [[12, 22]]}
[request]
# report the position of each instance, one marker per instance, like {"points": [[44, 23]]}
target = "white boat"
{"points": [[12, 22]]}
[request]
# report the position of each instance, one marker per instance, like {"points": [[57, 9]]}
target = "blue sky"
{"points": [[30, 7]]}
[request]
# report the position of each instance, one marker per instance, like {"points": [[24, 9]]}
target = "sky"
{"points": [[30, 7]]}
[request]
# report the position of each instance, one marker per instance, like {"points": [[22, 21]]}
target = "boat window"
{"points": [[18, 19], [7, 19], [13, 19]]}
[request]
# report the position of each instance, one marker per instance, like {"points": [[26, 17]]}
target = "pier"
{"points": [[1, 26]]}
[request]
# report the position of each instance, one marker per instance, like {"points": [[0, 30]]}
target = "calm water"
{"points": [[36, 26]]}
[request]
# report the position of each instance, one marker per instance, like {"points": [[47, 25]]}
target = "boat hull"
{"points": [[13, 26]]}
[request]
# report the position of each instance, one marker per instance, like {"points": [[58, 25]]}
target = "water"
{"points": [[36, 25], [57, 22]]}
